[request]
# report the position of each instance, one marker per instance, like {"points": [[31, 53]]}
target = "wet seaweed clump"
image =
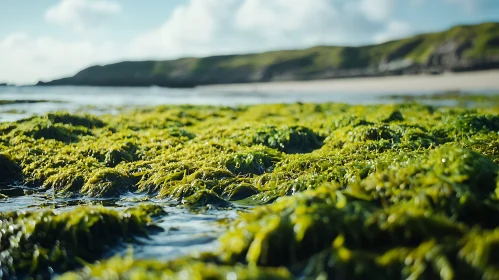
{"points": [[107, 182], [66, 182], [253, 162], [395, 116], [208, 182], [328, 191], [473, 123], [128, 268], [373, 133], [43, 129], [291, 140], [333, 234], [40, 244], [450, 180], [10, 171], [124, 153], [205, 198], [240, 191], [349, 120], [75, 120]]}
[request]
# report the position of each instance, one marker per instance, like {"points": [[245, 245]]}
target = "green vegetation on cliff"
{"points": [[460, 48]]}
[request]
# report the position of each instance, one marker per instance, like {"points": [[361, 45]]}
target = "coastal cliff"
{"points": [[461, 48]]}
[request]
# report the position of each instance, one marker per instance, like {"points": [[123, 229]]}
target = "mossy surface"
{"points": [[9, 170], [107, 182], [327, 190], [128, 268], [41, 243]]}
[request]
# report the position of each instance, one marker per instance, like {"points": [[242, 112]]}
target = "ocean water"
{"points": [[100, 100]]}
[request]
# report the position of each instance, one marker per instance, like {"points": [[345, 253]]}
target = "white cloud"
{"points": [[395, 30], [377, 10], [26, 59], [202, 27], [82, 14], [467, 5], [416, 2], [196, 28], [199, 27], [281, 16]]}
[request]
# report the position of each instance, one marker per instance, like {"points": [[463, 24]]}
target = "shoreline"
{"points": [[466, 81]]}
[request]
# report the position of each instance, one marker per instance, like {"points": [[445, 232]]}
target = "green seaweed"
{"points": [[124, 153], [328, 190], [75, 120], [473, 123], [295, 228], [65, 182], [205, 198], [45, 129], [128, 268], [41, 243], [456, 181], [107, 182], [254, 162], [394, 116], [240, 191], [288, 139], [9, 170]]}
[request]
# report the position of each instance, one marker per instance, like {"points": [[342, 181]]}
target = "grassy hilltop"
{"points": [[461, 48]]}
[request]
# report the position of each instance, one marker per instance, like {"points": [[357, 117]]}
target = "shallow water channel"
{"points": [[29, 101], [183, 230]]}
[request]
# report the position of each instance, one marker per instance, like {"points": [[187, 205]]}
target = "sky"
{"points": [[47, 39]]}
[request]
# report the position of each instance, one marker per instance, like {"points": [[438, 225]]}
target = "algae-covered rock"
{"points": [[128, 268], [464, 166], [349, 120], [452, 180], [68, 181], [294, 229], [290, 230], [474, 122], [290, 140], [46, 130], [75, 120], [178, 186], [419, 137], [394, 117], [373, 133], [123, 153], [428, 260], [157, 178], [41, 243], [204, 198], [328, 190], [240, 191], [209, 174], [325, 233], [253, 162], [107, 182], [9, 170]]}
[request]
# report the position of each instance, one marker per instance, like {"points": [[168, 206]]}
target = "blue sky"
{"points": [[41, 40]]}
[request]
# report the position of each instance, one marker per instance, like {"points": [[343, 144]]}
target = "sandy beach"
{"points": [[469, 81]]}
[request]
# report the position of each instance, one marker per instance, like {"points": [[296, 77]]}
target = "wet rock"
{"points": [[10, 171], [107, 183]]}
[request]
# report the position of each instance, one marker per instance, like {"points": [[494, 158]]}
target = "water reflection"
{"points": [[100, 100]]}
